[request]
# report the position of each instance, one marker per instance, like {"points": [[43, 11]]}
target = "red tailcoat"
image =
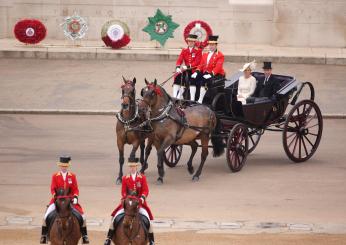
{"points": [[215, 65], [190, 59], [138, 186], [70, 182]]}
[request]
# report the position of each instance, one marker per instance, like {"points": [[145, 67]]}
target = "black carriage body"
{"points": [[258, 114]]}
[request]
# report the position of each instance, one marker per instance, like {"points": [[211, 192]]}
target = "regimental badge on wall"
{"points": [[75, 27]]}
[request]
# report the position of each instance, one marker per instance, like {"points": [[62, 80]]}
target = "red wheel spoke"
{"points": [[289, 145], [313, 117], [312, 145], [300, 146], [306, 151], [295, 145], [290, 135], [313, 126]]}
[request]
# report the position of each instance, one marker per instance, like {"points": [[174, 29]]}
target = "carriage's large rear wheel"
{"points": [[254, 138], [172, 155], [237, 147], [302, 131]]}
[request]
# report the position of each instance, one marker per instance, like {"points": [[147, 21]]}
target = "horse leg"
{"points": [[160, 151], [204, 142], [142, 148], [147, 153], [194, 146], [135, 146], [121, 161]]}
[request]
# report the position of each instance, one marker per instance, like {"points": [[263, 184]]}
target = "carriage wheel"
{"points": [[302, 131], [237, 147], [172, 155], [254, 138]]}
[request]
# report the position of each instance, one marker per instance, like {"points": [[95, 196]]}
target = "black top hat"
{"points": [[65, 159], [267, 65], [133, 159], [212, 39], [191, 37]]}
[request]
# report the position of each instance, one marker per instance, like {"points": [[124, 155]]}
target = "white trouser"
{"points": [[176, 89], [141, 211], [192, 92], [51, 208], [181, 92], [201, 94]]}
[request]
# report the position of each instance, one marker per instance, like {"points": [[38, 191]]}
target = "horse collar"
{"points": [[129, 121]]}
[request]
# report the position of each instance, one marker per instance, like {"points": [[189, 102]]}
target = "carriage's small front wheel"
{"points": [[172, 155], [237, 147], [302, 131]]}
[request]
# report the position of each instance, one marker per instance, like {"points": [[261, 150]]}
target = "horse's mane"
{"points": [[165, 92]]}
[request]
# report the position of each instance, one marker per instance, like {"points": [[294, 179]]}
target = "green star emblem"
{"points": [[160, 27]]}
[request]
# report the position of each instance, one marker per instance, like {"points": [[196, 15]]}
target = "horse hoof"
{"points": [[159, 181], [195, 178], [118, 182], [191, 170]]}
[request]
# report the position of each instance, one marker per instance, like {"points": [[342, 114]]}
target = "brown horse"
{"points": [[130, 230], [172, 127], [65, 229], [129, 118]]}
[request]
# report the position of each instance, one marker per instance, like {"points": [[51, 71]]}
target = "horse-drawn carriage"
{"points": [[241, 126], [230, 125]]}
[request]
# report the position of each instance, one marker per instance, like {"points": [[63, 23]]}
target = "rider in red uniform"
{"points": [[190, 57], [210, 68], [67, 180], [133, 184]]}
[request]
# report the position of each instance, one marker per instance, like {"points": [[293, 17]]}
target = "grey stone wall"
{"points": [[315, 23]]}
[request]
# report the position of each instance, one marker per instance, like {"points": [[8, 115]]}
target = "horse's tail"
{"points": [[217, 140]]}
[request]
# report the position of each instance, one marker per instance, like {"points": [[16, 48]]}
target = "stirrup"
{"points": [[43, 240], [108, 241], [85, 240]]}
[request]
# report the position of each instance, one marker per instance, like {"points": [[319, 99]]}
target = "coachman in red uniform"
{"points": [[133, 184], [67, 180], [190, 57], [210, 68]]}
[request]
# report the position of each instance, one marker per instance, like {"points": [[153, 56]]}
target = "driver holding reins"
{"points": [[67, 180], [190, 57], [133, 184]]}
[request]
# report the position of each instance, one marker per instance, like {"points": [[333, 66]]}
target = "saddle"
{"points": [[54, 214], [144, 220]]}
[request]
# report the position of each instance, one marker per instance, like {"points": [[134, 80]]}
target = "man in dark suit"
{"points": [[266, 86]]}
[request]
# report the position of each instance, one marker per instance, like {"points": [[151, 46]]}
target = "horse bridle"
{"points": [[133, 216]]}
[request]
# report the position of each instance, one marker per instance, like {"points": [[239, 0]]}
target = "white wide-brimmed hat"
{"points": [[251, 65]]}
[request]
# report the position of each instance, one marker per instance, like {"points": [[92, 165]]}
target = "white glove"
{"points": [[184, 67], [207, 76], [194, 75], [75, 200], [142, 200], [178, 70]]}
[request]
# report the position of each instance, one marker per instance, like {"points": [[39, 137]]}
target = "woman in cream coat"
{"points": [[247, 83]]}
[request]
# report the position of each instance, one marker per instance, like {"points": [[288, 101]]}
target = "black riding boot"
{"points": [[85, 239], [44, 234], [109, 237], [151, 238]]}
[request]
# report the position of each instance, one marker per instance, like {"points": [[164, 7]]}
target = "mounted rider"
{"points": [[210, 68], [191, 57], [133, 184], [67, 180]]}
